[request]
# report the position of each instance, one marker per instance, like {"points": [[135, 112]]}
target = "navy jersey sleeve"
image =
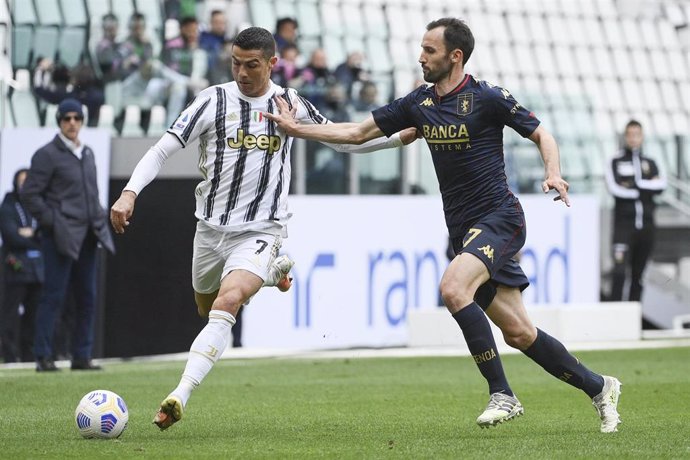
{"points": [[511, 113], [395, 116]]}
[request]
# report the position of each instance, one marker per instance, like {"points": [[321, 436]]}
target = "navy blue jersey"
{"points": [[464, 131]]}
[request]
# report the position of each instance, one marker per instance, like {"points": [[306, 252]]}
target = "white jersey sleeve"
{"points": [[196, 118], [307, 113]]}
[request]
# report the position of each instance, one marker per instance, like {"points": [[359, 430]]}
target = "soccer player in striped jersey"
{"points": [[241, 202], [462, 120]]}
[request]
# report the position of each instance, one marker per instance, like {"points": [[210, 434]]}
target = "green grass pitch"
{"points": [[359, 408]]}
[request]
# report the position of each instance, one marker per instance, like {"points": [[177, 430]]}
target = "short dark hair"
{"points": [[188, 20], [456, 35], [256, 38], [283, 21], [109, 17], [633, 124], [15, 180]]}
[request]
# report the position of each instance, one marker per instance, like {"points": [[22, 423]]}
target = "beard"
{"points": [[434, 76]]}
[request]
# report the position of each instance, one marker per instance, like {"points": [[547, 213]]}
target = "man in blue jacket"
{"points": [[61, 192]]}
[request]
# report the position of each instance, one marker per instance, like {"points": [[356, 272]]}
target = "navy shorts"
{"points": [[495, 240]]}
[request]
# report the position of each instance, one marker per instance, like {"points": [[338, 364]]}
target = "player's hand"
{"points": [[409, 135], [122, 210], [285, 118], [558, 184]]}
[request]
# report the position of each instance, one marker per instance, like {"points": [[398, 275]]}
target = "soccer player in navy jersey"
{"points": [[462, 119]]}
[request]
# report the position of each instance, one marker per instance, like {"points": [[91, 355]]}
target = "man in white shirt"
{"points": [[241, 202]]}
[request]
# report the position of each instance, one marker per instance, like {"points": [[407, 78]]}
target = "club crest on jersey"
{"points": [[270, 144], [465, 104]]}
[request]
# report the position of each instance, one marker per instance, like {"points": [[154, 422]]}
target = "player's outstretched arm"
{"points": [[122, 210], [333, 133], [549, 154]]}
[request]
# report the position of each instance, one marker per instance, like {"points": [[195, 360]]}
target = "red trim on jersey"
{"points": [[456, 89]]}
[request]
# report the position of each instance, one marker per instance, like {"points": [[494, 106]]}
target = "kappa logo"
{"points": [[506, 93], [488, 251], [428, 102]]}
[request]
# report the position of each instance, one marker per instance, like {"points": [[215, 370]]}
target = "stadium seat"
{"points": [[72, 45], [151, 9], [538, 28], [670, 96], [130, 126], [631, 32], [375, 21], [308, 18], [23, 13], [622, 63], [3, 39], [379, 57], [396, 19], [23, 103], [652, 95], [50, 116], [285, 8], [5, 17], [48, 12], [650, 34], [263, 14], [335, 50], [97, 8], [74, 13], [113, 95], [331, 18], [22, 44], [353, 22], [603, 62], [45, 42], [157, 124], [352, 44], [106, 119], [123, 9], [677, 68], [613, 32]]}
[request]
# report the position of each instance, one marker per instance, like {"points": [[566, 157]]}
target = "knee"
{"points": [[230, 302], [520, 336], [454, 295]]}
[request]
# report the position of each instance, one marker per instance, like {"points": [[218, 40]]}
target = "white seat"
{"points": [[631, 32], [377, 52], [75, 12], [613, 32], [614, 96], [603, 62], [352, 44], [335, 49], [583, 59], [353, 22], [130, 126], [545, 60], [51, 116], [308, 18], [45, 42], [668, 35], [331, 18], [622, 64], [113, 95], [660, 68], [285, 9], [157, 123], [106, 118], [518, 30], [677, 69], [375, 21], [24, 13], [558, 28], [396, 19], [670, 95], [22, 43], [72, 45], [593, 33], [48, 12], [5, 17], [633, 95], [641, 63], [123, 9], [564, 61], [681, 123], [650, 34], [652, 95], [263, 14], [23, 104]]}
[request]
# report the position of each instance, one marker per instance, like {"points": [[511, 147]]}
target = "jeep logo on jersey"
{"points": [[270, 144]]}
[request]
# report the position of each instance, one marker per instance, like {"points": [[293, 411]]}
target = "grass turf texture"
{"points": [[355, 408]]}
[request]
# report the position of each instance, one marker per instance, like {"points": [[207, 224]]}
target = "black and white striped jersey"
{"points": [[244, 160]]}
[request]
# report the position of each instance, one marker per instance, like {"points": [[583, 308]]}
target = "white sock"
{"points": [[206, 349]]}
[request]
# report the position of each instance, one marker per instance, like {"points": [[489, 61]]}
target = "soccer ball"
{"points": [[101, 414]]}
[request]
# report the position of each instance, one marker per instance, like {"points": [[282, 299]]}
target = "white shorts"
{"points": [[218, 253]]}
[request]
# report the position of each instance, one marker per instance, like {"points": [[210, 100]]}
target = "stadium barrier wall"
{"points": [[571, 323], [366, 264]]}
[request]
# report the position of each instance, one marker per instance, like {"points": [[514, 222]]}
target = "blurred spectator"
{"points": [[316, 77], [183, 55], [351, 71], [285, 72], [221, 72], [23, 270], [54, 82], [137, 48], [212, 40], [367, 99], [335, 106], [108, 49], [286, 33]]}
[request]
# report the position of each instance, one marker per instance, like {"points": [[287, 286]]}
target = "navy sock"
{"points": [[550, 354], [480, 340]]}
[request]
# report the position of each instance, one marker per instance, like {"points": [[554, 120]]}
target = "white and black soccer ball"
{"points": [[101, 414]]}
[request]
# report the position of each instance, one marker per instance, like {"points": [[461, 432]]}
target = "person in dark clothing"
{"points": [[61, 192], [23, 270], [633, 179], [461, 119]]}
